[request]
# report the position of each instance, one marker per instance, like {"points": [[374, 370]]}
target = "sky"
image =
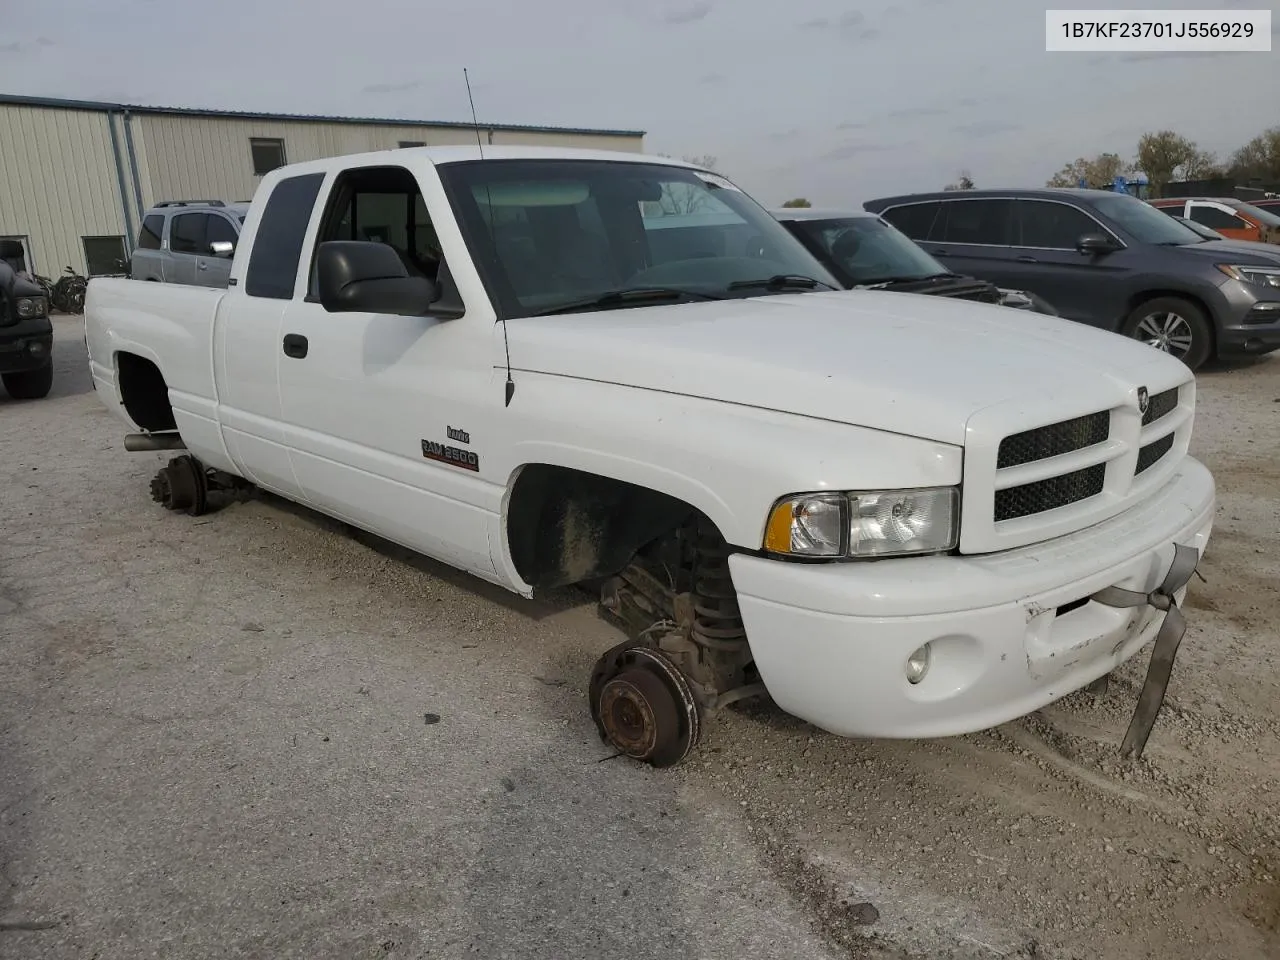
{"points": [[833, 101]]}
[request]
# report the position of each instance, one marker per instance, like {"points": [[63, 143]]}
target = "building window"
{"points": [[104, 255], [267, 154], [412, 143]]}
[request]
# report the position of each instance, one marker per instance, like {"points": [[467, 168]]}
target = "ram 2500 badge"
{"points": [[895, 516]]}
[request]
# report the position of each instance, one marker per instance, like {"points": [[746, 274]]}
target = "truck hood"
{"points": [[915, 365]]}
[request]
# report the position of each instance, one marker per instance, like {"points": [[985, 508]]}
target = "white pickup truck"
{"points": [[895, 516]]}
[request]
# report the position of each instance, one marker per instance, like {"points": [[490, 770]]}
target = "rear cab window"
{"points": [[277, 246]]}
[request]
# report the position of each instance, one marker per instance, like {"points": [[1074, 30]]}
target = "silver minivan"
{"points": [[188, 241]]}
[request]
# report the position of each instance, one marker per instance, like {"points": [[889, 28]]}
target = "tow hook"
{"points": [[1169, 636]]}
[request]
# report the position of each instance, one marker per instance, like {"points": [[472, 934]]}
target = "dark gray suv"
{"points": [[1106, 259]]}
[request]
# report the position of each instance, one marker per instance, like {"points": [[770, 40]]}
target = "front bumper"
{"points": [[831, 641], [25, 346], [1252, 322]]}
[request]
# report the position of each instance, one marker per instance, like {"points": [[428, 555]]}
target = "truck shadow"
{"points": [[545, 605], [71, 376]]}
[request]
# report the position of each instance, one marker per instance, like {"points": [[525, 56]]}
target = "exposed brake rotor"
{"points": [[643, 705]]}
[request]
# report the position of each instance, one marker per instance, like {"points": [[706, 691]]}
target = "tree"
{"points": [[1259, 158], [680, 198], [707, 161], [1165, 155], [964, 183], [798, 202], [1098, 172]]}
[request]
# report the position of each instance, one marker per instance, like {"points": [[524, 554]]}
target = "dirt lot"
{"points": [[258, 735]]}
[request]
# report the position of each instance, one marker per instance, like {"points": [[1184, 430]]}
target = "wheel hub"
{"points": [[630, 705], [181, 485], [643, 706], [1167, 332]]}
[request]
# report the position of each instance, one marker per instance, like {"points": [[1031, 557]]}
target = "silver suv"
{"points": [[188, 241]]}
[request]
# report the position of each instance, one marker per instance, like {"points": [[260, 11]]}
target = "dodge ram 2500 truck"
{"points": [[894, 516], [26, 335]]}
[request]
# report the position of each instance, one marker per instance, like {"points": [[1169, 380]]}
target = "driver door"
{"points": [[369, 399]]}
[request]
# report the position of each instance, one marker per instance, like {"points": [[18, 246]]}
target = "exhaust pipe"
{"points": [[136, 442]]}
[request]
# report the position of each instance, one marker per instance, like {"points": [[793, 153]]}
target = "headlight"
{"points": [[1265, 276], [883, 523], [29, 307]]}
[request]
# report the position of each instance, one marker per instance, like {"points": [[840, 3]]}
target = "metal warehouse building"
{"points": [[77, 175]]}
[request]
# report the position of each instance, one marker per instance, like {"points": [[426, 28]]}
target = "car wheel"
{"points": [[29, 384], [1173, 325]]}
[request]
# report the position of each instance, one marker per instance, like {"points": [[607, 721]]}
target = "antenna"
{"points": [[506, 345], [474, 122]]}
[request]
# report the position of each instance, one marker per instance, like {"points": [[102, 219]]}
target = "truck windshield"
{"points": [[862, 250], [555, 233]]}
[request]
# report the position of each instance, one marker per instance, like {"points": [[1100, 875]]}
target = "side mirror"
{"points": [[361, 276], [222, 248], [1093, 244]]}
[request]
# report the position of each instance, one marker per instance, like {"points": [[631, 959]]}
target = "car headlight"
{"points": [[1264, 276], [29, 307], [880, 523]]}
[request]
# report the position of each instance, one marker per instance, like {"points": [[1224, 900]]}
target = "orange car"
{"points": [[1230, 217]]}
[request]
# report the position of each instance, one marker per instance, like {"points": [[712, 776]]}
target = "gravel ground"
{"points": [[258, 734]]}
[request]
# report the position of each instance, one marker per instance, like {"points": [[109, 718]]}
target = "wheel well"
{"points": [[567, 526], [144, 392]]}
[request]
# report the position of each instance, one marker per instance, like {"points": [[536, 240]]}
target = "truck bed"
{"points": [[169, 324]]}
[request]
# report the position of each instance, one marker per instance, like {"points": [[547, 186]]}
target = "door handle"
{"points": [[295, 345], [941, 253], [201, 265], [1027, 260]]}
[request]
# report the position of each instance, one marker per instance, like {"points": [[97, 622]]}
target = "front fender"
{"points": [[729, 461]]}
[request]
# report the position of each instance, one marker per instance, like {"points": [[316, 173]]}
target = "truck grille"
{"points": [[1150, 455], [1048, 494], [1053, 440], [1032, 473], [1161, 405]]}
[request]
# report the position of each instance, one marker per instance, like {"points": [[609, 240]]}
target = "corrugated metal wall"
{"points": [[197, 158], [58, 183]]}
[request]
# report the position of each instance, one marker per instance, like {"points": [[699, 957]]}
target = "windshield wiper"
{"points": [[886, 281], [781, 281], [626, 297]]}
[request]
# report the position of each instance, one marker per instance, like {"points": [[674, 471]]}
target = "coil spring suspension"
{"points": [[717, 621]]}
